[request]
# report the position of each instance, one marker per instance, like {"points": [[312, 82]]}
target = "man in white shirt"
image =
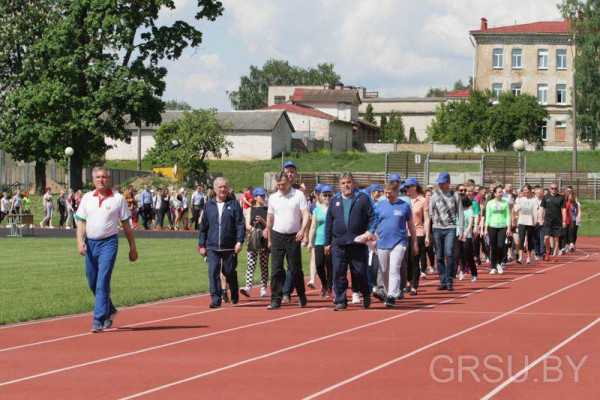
{"points": [[287, 221], [99, 214]]}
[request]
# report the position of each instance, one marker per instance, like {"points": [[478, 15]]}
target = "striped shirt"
{"points": [[444, 211]]}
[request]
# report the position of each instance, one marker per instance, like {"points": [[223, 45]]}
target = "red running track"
{"points": [[530, 332]]}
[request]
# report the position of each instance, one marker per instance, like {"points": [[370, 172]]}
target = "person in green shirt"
{"points": [[26, 203], [497, 227]]}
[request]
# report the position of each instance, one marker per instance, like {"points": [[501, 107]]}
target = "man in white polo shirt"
{"points": [[287, 220], [97, 239]]}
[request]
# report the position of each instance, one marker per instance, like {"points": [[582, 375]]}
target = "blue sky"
{"points": [[397, 47]]}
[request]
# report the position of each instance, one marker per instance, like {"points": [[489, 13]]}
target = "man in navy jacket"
{"points": [[222, 232], [350, 214]]}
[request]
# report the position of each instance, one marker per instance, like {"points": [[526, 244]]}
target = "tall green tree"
{"points": [[177, 105], [394, 129], [412, 135], [458, 85], [584, 31], [253, 90], [188, 141], [382, 128], [369, 114], [97, 62]]}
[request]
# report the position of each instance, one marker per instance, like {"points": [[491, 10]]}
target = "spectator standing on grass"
{"points": [[70, 210], [198, 199], [287, 222], [497, 228], [222, 231], [350, 217], [146, 206], [185, 207], [99, 214], [554, 210], [246, 200], [15, 202], [4, 204], [444, 206], [26, 202], [61, 202], [48, 209], [130, 199], [257, 220]]}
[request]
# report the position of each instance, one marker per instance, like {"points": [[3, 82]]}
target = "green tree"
{"points": [[177, 105], [436, 92], [394, 129], [438, 130], [188, 141], [253, 90], [382, 128], [412, 136], [92, 64], [458, 85], [369, 114], [585, 22]]}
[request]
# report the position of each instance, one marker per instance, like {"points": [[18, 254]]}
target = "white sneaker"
{"points": [[493, 271], [500, 269], [423, 275], [311, 284], [245, 291], [431, 270], [561, 252], [50, 227], [68, 227], [528, 260], [263, 292], [473, 279], [355, 298], [461, 276]]}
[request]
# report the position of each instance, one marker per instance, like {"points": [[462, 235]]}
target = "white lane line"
{"points": [[319, 339], [539, 360], [161, 346], [445, 339]]}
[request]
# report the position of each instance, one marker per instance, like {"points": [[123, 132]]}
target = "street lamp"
{"points": [[519, 146], [69, 152]]}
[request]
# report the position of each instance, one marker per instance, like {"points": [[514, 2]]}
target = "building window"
{"points": [[560, 132], [543, 59], [496, 90], [279, 99], [517, 58], [561, 94], [498, 58], [543, 94], [516, 89], [561, 59], [545, 131]]}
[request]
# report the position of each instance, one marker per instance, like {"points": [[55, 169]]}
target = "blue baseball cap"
{"points": [[412, 181], [374, 187], [259, 192], [319, 187], [326, 188], [395, 177], [443, 177], [289, 164]]}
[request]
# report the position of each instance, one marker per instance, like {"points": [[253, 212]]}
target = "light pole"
{"points": [[519, 146], [69, 152]]}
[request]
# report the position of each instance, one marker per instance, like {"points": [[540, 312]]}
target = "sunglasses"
{"points": [[327, 195], [462, 191]]}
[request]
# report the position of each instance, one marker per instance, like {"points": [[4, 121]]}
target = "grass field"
{"points": [[46, 277]]}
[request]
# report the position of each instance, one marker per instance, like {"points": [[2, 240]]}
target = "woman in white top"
{"points": [[48, 208], [527, 212]]}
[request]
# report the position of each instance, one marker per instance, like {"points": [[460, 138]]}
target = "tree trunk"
{"points": [[76, 172], [40, 178]]}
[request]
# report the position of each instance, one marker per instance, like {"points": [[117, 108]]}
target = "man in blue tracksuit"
{"points": [[222, 232], [350, 214]]}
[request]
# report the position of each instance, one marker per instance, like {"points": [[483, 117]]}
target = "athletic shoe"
{"points": [[461, 276], [478, 261], [311, 284], [340, 307], [367, 302], [503, 265], [561, 252], [431, 270], [378, 294], [302, 300], [355, 298], [50, 227], [214, 305], [263, 292], [493, 271], [509, 258], [500, 270], [274, 306], [528, 260], [400, 296], [547, 258], [390, 302], [450, 287], [555, 259], [423, 275], [245, 291], [68, 227], [406, 289], [413, 292], [442, 287], [519, 261], [225, 297], [537, 258], [109, 320], [473, 279], [329, 294], [235, 297], [96, 328], [323, 292], [286, 299]]}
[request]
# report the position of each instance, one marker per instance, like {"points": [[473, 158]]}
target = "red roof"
{"points": [[459, 93], [556, 27], [300, 109]]}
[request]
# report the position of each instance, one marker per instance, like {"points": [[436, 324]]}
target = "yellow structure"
{"points": [[172, 172]]}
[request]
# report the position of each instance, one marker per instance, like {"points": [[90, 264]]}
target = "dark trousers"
{"points": [[478, 246], [224, 262], [63, 216], [444, 250], [508, 245], [285, 246], [357, 257], [429, 253], [538, 241], [288, 286], [324, 267], [374, 277], [467, 258], [413, 272], [195, 216], [146, 214], [497, 245], [526, 231]]}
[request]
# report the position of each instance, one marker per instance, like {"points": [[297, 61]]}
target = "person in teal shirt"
{"points": [[497, 226], [316, 241]]}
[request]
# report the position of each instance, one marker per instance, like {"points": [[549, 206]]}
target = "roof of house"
{"points": [[547, 27], [253, 120], [300, 109], [326, 96], [459, 93]]}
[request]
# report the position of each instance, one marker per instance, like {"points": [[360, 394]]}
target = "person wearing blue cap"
{"points": [[445, 206], [316, 237], [258, 221], [395, 178], [351, 221]]}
